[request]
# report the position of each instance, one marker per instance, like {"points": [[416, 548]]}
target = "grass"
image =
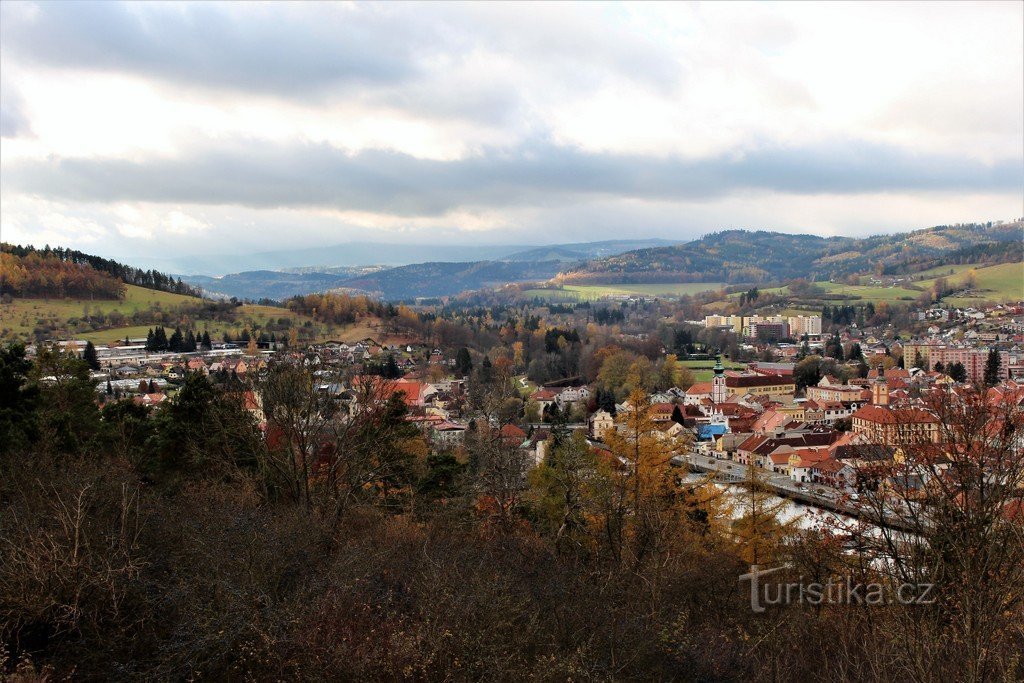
{"points": [[1000, 283], [942, 271], [19, 318], [596, 292], [703, 370], [727, 364], [22, 315]]}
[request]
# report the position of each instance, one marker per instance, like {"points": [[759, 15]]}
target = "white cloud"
{"points": [[902, 93]]}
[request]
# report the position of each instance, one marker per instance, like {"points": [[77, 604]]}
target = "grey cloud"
{"points": [[400, 55], [13, 121], [259, 175], [279, 50]]}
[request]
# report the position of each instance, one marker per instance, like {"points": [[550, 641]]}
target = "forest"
{"points": [[151, 279], [188, 543]]}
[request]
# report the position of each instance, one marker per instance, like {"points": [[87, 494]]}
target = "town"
{"points": [[806, 418]]}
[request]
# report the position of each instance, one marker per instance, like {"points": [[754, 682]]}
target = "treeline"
{"points": [[340, 309], [988, 254], [150, 279], [41, 275], [157, 340]]}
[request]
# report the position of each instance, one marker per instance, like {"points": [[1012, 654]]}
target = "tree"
{"points": [[177, 341], [19, 400], [564, 485], [992, 366], [807, 373], [463, 362], [760, 530], [643, 502], [90, 357], [391, 370], [957, 372], [207, 344], [952, 514]]}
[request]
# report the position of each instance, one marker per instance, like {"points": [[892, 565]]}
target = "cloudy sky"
{"points": [[146, 129]]}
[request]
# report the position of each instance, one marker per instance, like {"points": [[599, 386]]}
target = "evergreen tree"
{"points": [[992, 366], [176, 342], [391, 370], [110, 389], [463, 362], [90, 357], [957, 372], [150, 341], [207, 344], [190, 341], [160, 339]]}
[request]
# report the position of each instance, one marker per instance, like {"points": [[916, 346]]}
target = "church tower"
{"points": [[718, 391]]}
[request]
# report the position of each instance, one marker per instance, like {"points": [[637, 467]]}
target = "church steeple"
{"points": [[718, 390]]}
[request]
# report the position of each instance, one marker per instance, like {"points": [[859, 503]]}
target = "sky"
{"points": [[139, 130]]}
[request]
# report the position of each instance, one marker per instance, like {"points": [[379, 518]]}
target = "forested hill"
{"points": [[444, 279], [70, 268], [745, 256]]}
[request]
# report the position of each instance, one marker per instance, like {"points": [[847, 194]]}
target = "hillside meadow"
{"points": [[597, 292]]}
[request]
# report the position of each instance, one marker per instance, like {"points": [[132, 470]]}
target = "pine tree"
{"points": [[391, 370], [463, 362], [992, 366], [207, 344], [957, 372], [176, 341], [150, 341], [90, 357]]}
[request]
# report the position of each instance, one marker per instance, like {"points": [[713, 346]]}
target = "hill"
{"points": [[272, 284], [741, 256], [24, 266], [447, 279], [322, 258]]}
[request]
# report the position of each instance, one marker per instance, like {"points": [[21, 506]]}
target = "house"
{"points": [[599, 423], [696, 393], [446, 435], [571, 396], [661, 412], [834, 473], [544, 398], [512, 435], [883, 424]]}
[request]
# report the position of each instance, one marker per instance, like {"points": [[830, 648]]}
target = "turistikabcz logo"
{"points": [[833, 592]]}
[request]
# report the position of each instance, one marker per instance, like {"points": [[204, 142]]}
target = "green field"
{"points": [[19, 318], [1000, 283], [596, 292], [22, 315], [860, 293], [942, 271], [703, 370]]}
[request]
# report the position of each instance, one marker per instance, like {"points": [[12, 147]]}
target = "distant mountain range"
{"points": [[735, 256], [742, 256], [352, 265], [354, 254]]}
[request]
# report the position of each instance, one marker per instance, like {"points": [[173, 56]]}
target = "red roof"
{"points": [[699, 388], [887, 415]]}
